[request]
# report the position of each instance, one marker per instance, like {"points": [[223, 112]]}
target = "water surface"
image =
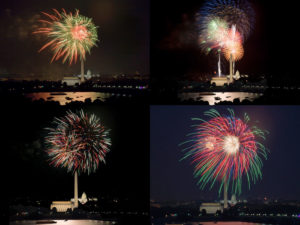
{"points": [[67, 97], [215, 97]]}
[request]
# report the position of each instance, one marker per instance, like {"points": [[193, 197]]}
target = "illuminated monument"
{"points": [[233, 51], [79, 142], [233, 75], [219, 81], [211, 207], [214, 207], [222, 80], [63, 206]]}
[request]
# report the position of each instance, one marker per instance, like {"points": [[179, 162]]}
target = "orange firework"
{"points": [[233, 45], [235, 49]]}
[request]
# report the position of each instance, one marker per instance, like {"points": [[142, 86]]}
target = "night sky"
{"points": [[269, 50], [124, 176], [123, 31], [173, 180]]}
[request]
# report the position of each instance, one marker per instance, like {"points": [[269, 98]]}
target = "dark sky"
{"points": [[173, 180], [125, 174], [270, 49], [123, 31]]}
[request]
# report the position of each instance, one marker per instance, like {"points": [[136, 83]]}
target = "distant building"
{"points": [[219, 81], [87, 76], [71, 81], [62, 206], [232, 202], [211, 207], [82, 200]]}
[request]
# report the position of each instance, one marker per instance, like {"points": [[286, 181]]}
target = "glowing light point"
{"points": [[210, 143], [231, 144], [80, 33]]}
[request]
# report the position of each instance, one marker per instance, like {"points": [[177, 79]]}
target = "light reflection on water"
{"points": [[63, 222], [66, 97], [215, 97]]}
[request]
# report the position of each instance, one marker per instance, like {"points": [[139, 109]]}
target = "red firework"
{"points": [[225, 148]]}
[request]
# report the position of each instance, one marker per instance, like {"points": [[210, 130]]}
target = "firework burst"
{"points": [[70, 35], [235, 50], [225, 148], [214, 34], [233, 45], [215, 21], [79, 142], [233, 12]]}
